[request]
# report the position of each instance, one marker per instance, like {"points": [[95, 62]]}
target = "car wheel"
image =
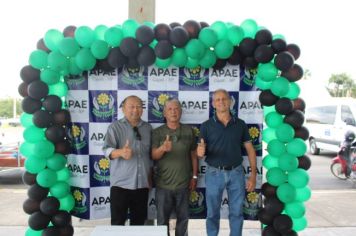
{"points": [[313, 147]]}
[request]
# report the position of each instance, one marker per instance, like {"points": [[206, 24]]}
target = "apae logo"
{"points": [[255, 134], [158, 103], [194, 77], [77, 136], [80, 202], [133, 76], [103, 105], [249, 76], [196, 200], [101, 169], [74, 80]]}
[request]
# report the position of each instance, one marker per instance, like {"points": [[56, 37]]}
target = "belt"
{"points": [[225, 167]]}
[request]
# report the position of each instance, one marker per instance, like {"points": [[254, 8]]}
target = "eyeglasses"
{"points": [[137, 133]]}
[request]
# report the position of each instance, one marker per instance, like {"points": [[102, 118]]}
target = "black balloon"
{"points": [[263, 54], [51, 231], [116, 59], [29, 178], [270, 231], [279, 45], [129, 47], [52, 103], [236, 57], [163, 49], [268, 190], [30, 206], [30, 105], [284, 61], [42, 119], [29, 74], [38, 221], [265, 217], [248, 46], [295, 119], [61, 219], [203, 24], [193, 28], [250, 62], [294, 50], [103, 65], [273, 205], [49, 206], [219, 64], [41, 45], [146, 57], [67, 230], [132, 63], [62, 117], [304, 162], [267, 98], [69, 31], [145, 34], [290, 233], [162, 31], [37, 192], [263, 36], [299, 104], [301, 132], [55, 133], [293, 74], [22, 89], [37, 89], [174, 24], [63, 147], [179, 36], [284, 106], [282, 224]]}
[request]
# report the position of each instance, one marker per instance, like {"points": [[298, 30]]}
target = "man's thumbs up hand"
{"points": [[127, 151], [201, 148]]}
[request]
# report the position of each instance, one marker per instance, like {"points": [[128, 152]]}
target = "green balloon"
{"points": [[31, 232], [208, 37], [63, 174], [113, 36], [299, 178], [26, 119], [33, 134], [270, 161], [267, 71], [299, 223], [99, 49], [276, 148], [280, 86], [285, 132], [60, 89], [57, 62], [268, 134], [261, 84], [192, 63], [52, 39], [43, 149], [288, 162], [100, 32], [35, 165], [249, 27], [73, 68], [297, 147], [286, 193], [195, 49], [295, 209], [273, 119], [220, 29], [303, 194], [49, 76], [235, 34], [66, 203], [224, 49], [208, 60], [275, 176], [179, 57], [56, 162], [38, 59], [85, 36], [46, 178], [163, 63], [68, 47], [129, 28], [294, 91], [85, 59], [268, 109], [60, 189]]}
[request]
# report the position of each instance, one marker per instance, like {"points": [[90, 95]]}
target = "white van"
{"points": [[328, 122]]}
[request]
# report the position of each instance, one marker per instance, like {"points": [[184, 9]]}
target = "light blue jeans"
{"points": [[216, 181]]}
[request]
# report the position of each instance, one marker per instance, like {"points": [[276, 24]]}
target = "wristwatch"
{"points": [[195, 177]]}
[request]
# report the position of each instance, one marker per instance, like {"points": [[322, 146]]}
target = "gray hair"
{"points": [[221, 91], [132, 96], [172, 100]]}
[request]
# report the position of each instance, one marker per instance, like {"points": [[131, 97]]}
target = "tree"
{"points": [[6, 108], [342, 85]]}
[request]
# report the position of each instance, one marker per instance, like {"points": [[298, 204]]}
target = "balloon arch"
{"points": [[193, 44]]}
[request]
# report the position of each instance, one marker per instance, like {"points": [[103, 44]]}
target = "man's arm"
{"points": [[194, 159], [251, 183]]}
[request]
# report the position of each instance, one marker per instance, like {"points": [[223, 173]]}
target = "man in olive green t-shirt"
{"points": [[173, 149]]}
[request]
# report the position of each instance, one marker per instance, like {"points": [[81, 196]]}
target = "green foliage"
{"points": [[342, 85], [7, 107]]}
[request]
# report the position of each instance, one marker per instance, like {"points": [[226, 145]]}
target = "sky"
{"points": [[324, 30]]}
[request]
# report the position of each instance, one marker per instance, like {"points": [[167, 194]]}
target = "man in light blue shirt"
{"points": [[127, 144]]}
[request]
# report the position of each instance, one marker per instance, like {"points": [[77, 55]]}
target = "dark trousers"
{"points": [[122, 200], [169, 200]]}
